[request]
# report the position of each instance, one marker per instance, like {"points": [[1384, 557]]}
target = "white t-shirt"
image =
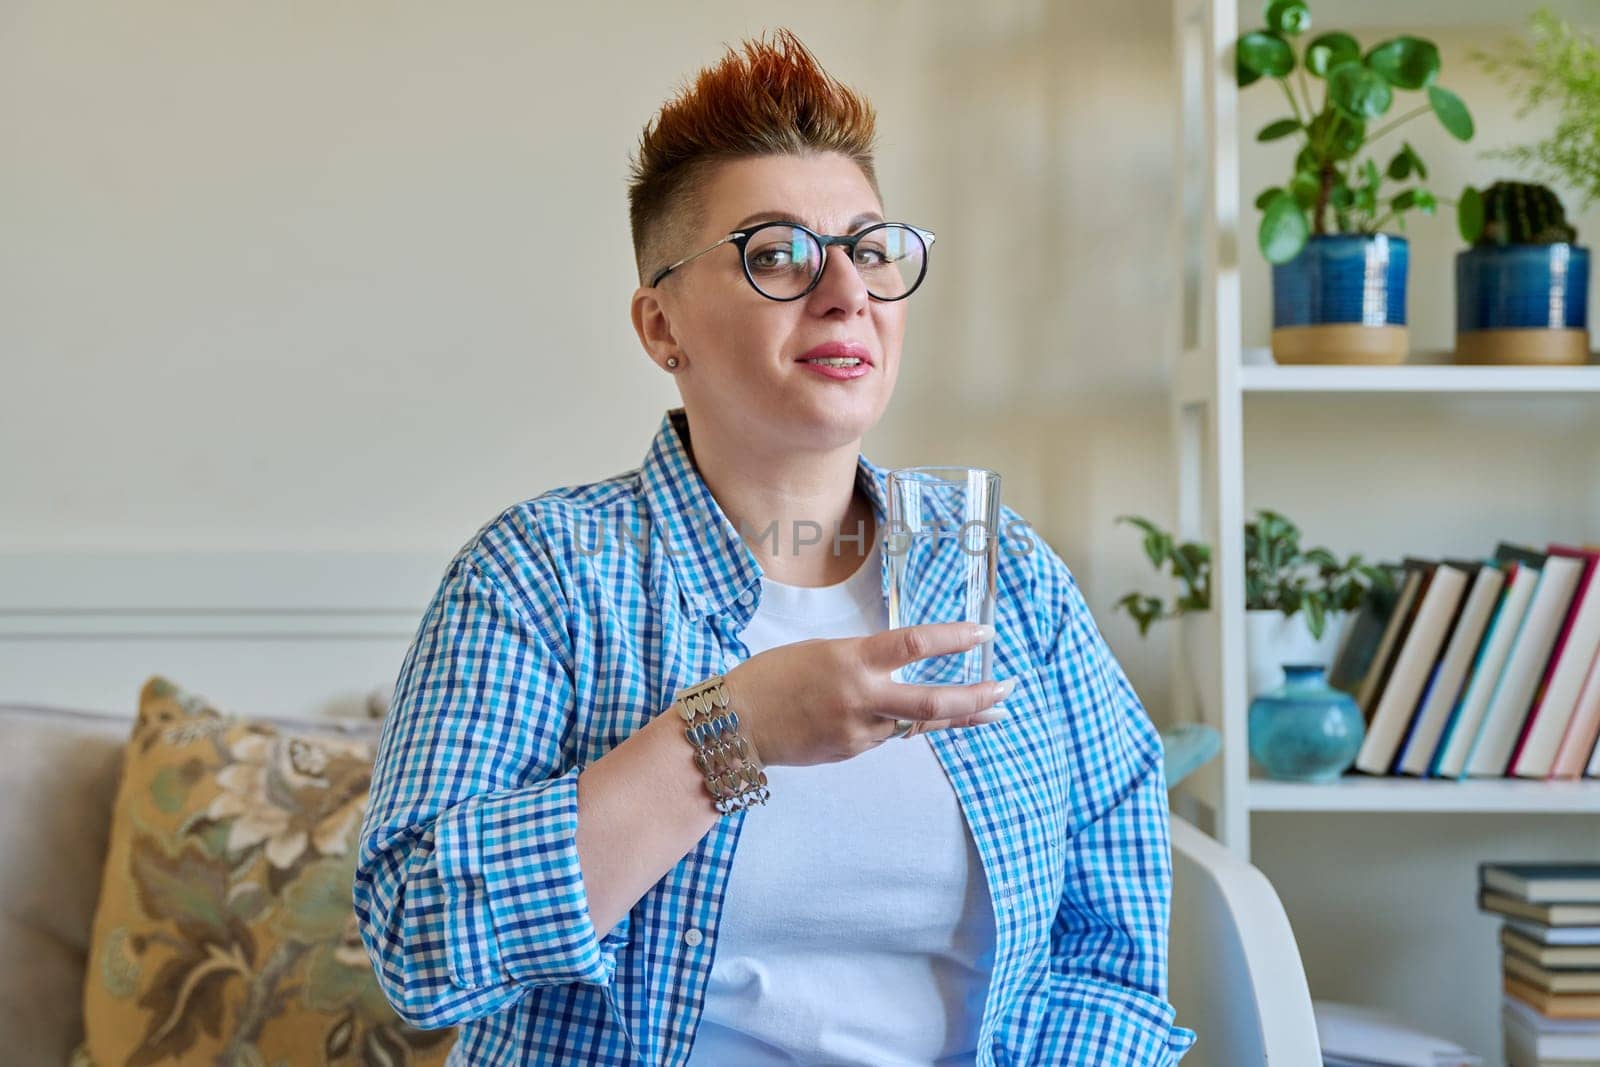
{"points": [[857, 926]]}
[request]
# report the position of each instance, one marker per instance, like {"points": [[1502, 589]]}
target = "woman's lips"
{"points": [[842, 374], [839, 360]]}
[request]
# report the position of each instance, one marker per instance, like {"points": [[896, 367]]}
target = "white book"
{"points": [[1417, 657], [1451, 675], [1534, 1038], [1555, 935], [1491, 659], [1357, 1034], [1555, 708], [1508, 708]]}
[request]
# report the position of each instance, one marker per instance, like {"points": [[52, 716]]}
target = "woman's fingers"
{"points": [[947, 704], [889, 650], [993, 713]]}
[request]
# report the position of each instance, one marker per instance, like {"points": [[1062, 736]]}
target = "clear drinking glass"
{"points": [[943, 545]]}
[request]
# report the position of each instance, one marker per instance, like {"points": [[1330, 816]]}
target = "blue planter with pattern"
{"points": [[1522, 304], [1342, 300]]}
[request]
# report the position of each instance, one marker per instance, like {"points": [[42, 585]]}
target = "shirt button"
{"points": [[747, 598], [693, 937]]}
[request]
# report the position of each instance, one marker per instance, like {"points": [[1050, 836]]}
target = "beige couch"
{"points": [[59, 773], [58, 780]]}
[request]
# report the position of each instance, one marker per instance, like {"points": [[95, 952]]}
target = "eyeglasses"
{"points": [[785, 260]]}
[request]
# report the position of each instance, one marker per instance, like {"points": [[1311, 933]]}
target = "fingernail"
{"points": [[983, 632], [1003, 689], [991, 715]]}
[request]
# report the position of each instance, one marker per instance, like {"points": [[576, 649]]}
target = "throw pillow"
{"points": [[225, 931]]}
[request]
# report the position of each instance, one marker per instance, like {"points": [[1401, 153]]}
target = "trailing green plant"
{"points": [[1278, 574], [1514, 213], [1331, 178], [1187, 561], [1560, 65]]}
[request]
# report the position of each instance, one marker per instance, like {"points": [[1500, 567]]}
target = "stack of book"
{"points": [[1550, 959], [1485, 668]]}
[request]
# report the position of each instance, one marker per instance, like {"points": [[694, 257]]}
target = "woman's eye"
{"points": [[770, 259], [870, 257]]}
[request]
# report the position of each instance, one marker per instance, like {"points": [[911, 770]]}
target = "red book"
{"points": [[1547, 719]]}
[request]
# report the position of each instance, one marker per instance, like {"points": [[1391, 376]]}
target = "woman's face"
{"points": [[739, 353]]}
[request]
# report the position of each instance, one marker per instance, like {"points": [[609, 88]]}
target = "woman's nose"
{"points": [[840, 278]]}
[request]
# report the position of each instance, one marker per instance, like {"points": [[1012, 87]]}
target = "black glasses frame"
{"points": [[740, 238]]}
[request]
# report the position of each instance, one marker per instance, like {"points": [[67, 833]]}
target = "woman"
{"points": [[557, 854]]}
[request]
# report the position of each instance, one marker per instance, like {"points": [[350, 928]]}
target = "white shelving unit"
{"points": [[1420, 379], [1378, 874], [1475, 796], [1217, 381]]}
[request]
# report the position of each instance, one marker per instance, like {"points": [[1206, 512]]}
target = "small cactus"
{"points": [[1522, 213]]}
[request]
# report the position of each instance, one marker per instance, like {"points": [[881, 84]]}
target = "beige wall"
{"points": [[350, 275]]}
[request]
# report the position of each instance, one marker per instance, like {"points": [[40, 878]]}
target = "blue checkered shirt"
{"points": [[565, 624]]}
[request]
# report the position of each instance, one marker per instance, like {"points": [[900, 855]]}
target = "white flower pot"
{"points": [[1271, 640]]}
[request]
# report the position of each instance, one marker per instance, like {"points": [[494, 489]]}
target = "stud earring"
{"points": [[672, 361]]}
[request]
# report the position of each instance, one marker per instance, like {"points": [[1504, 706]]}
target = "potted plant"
{"points": [[1522, 289], [1297, 601], [1324, 231], [1558, 65]]}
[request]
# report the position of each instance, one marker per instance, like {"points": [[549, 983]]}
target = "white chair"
{"points": [[1235, 973]]}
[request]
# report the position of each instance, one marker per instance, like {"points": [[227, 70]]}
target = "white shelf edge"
{"points": [[1418, 378], [1356, 793]]}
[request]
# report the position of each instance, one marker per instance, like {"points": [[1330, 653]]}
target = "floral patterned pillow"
{"points": [[225, 931]]}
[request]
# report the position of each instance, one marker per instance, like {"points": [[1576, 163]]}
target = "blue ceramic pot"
{"points": [[1352, 278], [1522, 304], [1522, 287], [1342, 300], [1305, 730]]}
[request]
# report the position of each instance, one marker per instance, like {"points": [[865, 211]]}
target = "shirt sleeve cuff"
{"points": [[513, 886], [1137, 1028]]}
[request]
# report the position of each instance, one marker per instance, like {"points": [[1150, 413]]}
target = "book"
{"points": [[1554, 914], [1551, 981], [1532, 1038], [1436, 610], [1364, 633], [1556, 698], [1545, 934], [1467, 719], [1583, 732], [1543, 883], [1556, 957], [1440, 699], [1555, 1005], [1361, 1036], [1513, 693], [1415, 582]]}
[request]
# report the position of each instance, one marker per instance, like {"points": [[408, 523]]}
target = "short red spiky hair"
{"points": [[775, 99]]}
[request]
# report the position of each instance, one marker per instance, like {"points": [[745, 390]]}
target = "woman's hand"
{"points": [[829, 699]]}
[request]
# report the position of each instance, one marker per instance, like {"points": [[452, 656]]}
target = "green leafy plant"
{"points": [[1278, 574], [1514, 213], [1557, 65], [1332, 177], [1188, 561]]}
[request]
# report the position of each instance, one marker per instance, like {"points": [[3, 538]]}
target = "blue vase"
{"points": [[1342, 300], [1305, 730], [1522, 304]]}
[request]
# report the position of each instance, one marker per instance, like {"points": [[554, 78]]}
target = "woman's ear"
{"points": [[654, 327]]}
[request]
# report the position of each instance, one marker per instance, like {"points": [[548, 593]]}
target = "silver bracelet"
{"points": [[728, 760]]}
